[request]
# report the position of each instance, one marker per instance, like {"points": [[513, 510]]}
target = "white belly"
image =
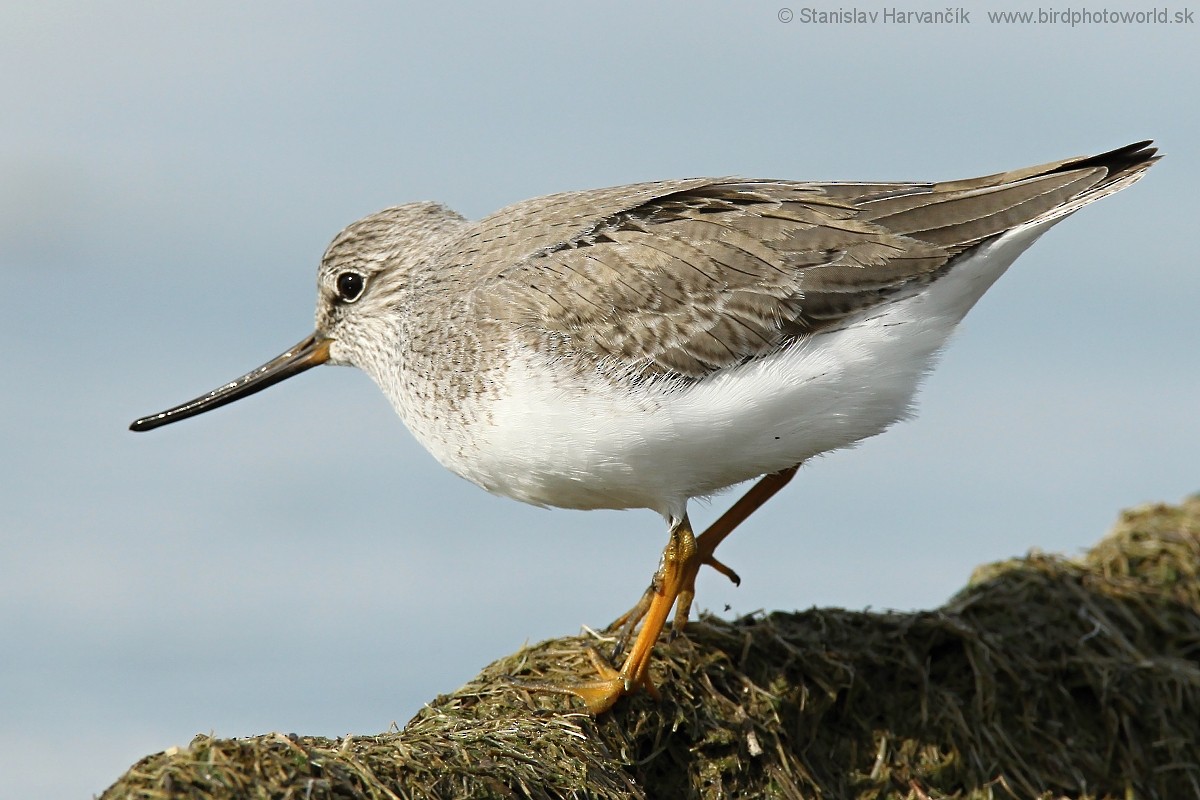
{"points": [[574, 445]]}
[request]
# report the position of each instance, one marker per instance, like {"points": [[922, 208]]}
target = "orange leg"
{"points": [[599, 696], [706, 543], [674, 581]]}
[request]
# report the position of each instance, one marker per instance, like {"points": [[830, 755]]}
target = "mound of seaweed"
{"points": [[1044, 677]]}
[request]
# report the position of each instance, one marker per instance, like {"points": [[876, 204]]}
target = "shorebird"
{"points": [[643, 345]]}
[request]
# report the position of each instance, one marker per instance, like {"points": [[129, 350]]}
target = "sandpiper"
{"points": [[639, 346]]}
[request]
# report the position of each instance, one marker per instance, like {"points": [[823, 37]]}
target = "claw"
{"points": [[721, 568]]}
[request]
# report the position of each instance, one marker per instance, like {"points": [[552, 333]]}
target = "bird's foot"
{"points": [[602, 694]]}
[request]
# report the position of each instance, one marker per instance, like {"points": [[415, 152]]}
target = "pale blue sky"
{"points": [[170, 174]]}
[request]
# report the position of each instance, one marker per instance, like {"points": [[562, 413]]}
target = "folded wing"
{"points": [[679, 279]]}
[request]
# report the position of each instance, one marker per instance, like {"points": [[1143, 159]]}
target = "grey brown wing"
{"points": [[705, 278], [709, 274]]}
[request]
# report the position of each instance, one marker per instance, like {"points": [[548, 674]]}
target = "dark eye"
{"points": [[350, 286]]}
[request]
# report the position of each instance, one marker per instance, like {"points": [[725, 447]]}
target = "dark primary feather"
{"points": [[686, 277]]}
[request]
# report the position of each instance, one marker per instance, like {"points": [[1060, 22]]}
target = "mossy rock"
{"points": [[1044, 677]]}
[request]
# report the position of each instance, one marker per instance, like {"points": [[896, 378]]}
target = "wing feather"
{"points": [[679, 279]]}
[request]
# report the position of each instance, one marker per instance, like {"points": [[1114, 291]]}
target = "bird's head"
{"points": [[361, 292]]}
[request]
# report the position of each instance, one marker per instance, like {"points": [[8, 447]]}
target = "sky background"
{"points": [[170, 174]]}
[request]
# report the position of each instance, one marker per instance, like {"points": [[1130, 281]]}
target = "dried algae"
{"points": [[1043, 678]]}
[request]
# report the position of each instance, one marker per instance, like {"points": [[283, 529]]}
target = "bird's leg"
{"points": [[706, 543], [674, 584], [679, 560]]}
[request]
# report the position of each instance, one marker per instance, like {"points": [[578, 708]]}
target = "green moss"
{"points": [[1045, 677]]}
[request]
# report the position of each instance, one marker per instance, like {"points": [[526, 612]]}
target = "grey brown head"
{"points": [[360, 286]]}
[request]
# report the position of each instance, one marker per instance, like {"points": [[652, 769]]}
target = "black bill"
{"points": [[310, 352]]}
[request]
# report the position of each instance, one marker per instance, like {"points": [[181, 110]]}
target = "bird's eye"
{"points": [[350, 286]]}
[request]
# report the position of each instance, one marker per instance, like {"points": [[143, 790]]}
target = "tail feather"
{"points": [[960, 214]]}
